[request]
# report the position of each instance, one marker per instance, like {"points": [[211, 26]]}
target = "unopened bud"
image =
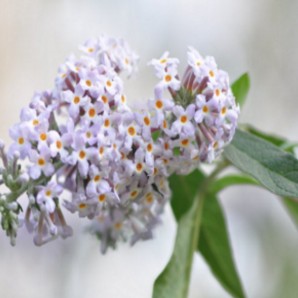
{"points": [[24, 178], [67, 231], [16, 155], [12, 206], [31, 199], [53, 230], [13, 241]]}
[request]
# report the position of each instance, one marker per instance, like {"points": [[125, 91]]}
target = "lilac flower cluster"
{"points": [[201, 116], [81, 137]]}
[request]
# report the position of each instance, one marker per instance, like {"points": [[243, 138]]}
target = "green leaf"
{"points": [[292, 208], [183, 190], [215, 247], [268, 164], [291, 205], [173, 282], [230, 180], [240, 88], [272, 138]]}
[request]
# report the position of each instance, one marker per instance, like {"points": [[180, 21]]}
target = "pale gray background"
{"points": [[244, 35]]}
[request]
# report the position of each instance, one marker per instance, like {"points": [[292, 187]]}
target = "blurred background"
{"points": [[260, 37]]}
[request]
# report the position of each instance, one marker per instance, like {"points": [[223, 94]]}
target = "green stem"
{"points": [[198, 208], [173, 282], [14, 195], [231, 180]]}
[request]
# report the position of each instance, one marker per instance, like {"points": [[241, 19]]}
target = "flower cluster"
{"points": [[82, 138], [202, 115]]}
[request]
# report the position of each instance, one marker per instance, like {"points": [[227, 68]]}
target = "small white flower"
{"points": [[41, 163], [47, 194], [183, 124], [76, 100]]}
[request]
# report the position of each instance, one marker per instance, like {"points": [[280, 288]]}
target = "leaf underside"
{"points": [[268, 164]]}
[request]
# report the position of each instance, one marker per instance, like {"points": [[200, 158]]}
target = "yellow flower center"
{"points": [[185, 142], [149, 147], [96, 178], [35, 122], [131, 131], [82, 206], [183, 119], [134, 193], [147, 121], [101, 150], [102, 198], [21, 141], [92, 112], [104, 98], [76, 100], [107, 123], [164, 124], [59, 144], [223, 110], [149, 198], [41, 162], [205, 109], [118, 226], [82, 154], [159, 104], [139, 167], [43, 137], [168, 78]]}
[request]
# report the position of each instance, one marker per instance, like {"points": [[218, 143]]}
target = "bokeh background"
{"points": [[244, 35]]}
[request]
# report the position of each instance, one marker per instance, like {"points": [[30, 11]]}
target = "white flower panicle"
{"points": [[202, 117], [113, 52], [81, 137]]}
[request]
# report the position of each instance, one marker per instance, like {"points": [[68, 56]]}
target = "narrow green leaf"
{"points": [[268, 164], [272, 138], [183, 190], [292, 208], [240, 88], [215, 247], [230, 180], [173, 282]]}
